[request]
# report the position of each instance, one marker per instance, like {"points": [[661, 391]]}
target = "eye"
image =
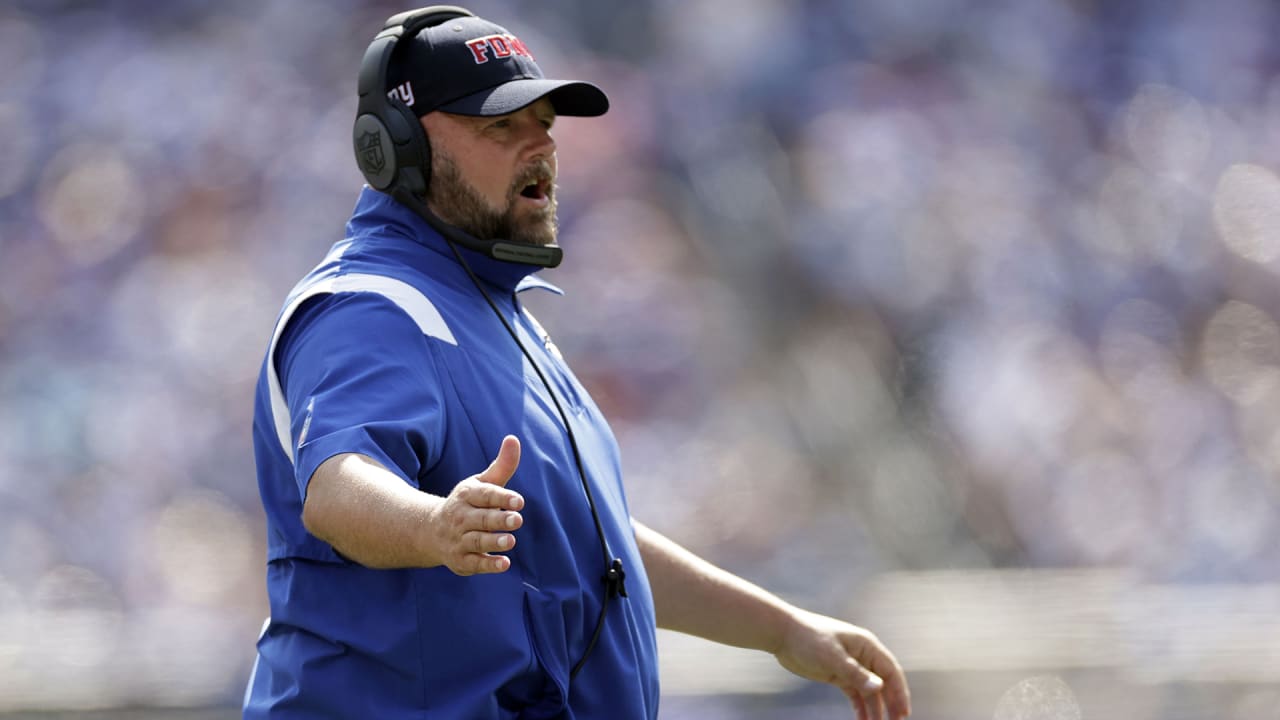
{"points": [[501, 124], [547, 122]]}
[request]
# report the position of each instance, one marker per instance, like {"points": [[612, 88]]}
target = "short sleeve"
{"points": [[359, 377]]}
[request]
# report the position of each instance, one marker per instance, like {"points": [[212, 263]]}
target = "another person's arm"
{"points": [[693, 596]]}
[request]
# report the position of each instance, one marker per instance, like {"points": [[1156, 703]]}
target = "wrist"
{"points": [[789, 621], [427, 534]]}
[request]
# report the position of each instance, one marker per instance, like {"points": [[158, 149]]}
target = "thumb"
{"points": [[503, 466], [861, 680]]}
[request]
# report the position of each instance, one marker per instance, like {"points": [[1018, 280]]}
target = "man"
{"points": [[448, 532]]}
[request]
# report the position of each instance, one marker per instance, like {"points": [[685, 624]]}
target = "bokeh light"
{"points": [[1241, 351], [1043, 697], [1168, 131], [91, 201], [202, 548], [1246, 209]]}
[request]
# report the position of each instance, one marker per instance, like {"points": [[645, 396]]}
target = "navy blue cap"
{"points": [[470, 66]]}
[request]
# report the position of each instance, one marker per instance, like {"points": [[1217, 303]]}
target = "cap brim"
{"points": [[569, 97]]}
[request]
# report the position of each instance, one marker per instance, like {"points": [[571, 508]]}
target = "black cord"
{"points": [[615, 576]]}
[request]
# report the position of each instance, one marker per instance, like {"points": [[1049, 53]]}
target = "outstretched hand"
{"points": [[478, 517], [851, 658]]}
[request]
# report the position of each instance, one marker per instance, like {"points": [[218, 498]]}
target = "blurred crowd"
{"points": [[863, 286]]}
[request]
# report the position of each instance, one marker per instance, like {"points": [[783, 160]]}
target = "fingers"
{"points": [[496, 520], [859, 706], [474, 513], [478, 559], [478, 517], [503, 466], [863, 689], [897, 698], [476, 564], [874, 707], [483, 543], [869, 707], [878, 663], [480, 495], [478, 532]]}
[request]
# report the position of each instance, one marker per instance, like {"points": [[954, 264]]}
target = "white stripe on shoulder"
{"points": [[410, 299], [405, 296]]}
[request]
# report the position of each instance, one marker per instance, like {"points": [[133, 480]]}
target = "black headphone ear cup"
{"points": [[375, 151], [396, 152]]}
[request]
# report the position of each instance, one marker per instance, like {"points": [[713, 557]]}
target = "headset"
{"points": [[392, 148], [394, 155]]}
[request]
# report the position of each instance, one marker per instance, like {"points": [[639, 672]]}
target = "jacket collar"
{"points": [[377, 212]]}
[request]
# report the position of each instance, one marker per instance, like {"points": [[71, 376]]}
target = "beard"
{"points": [[458, 203]]}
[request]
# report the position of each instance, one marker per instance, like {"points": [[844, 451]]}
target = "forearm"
{"points": [[369, 514], [693, 596]]}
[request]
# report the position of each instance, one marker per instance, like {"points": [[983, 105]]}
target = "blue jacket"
{"points": [[387, 349]]}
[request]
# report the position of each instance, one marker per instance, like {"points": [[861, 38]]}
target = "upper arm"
{"points": [[358, 376], [340, 482]]}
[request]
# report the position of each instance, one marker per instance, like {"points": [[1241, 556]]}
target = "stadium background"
{"points": [[956, 319]]}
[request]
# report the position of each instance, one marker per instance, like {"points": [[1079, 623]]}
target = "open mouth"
{"points": [[539, 189]]}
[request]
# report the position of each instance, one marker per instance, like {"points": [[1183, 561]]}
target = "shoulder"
{"points": [[365, 296], [359, 316]]}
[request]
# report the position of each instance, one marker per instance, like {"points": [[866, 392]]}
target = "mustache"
{"points": [[538, 171]]}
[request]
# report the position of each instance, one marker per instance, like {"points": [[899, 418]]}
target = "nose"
{"points": [[536, 136], [541, 144]]}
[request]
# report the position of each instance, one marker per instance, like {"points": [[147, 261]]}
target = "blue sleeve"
{"points": [[359, 377]]}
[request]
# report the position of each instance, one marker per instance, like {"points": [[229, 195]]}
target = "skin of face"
{"points": [[494, 177]]}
